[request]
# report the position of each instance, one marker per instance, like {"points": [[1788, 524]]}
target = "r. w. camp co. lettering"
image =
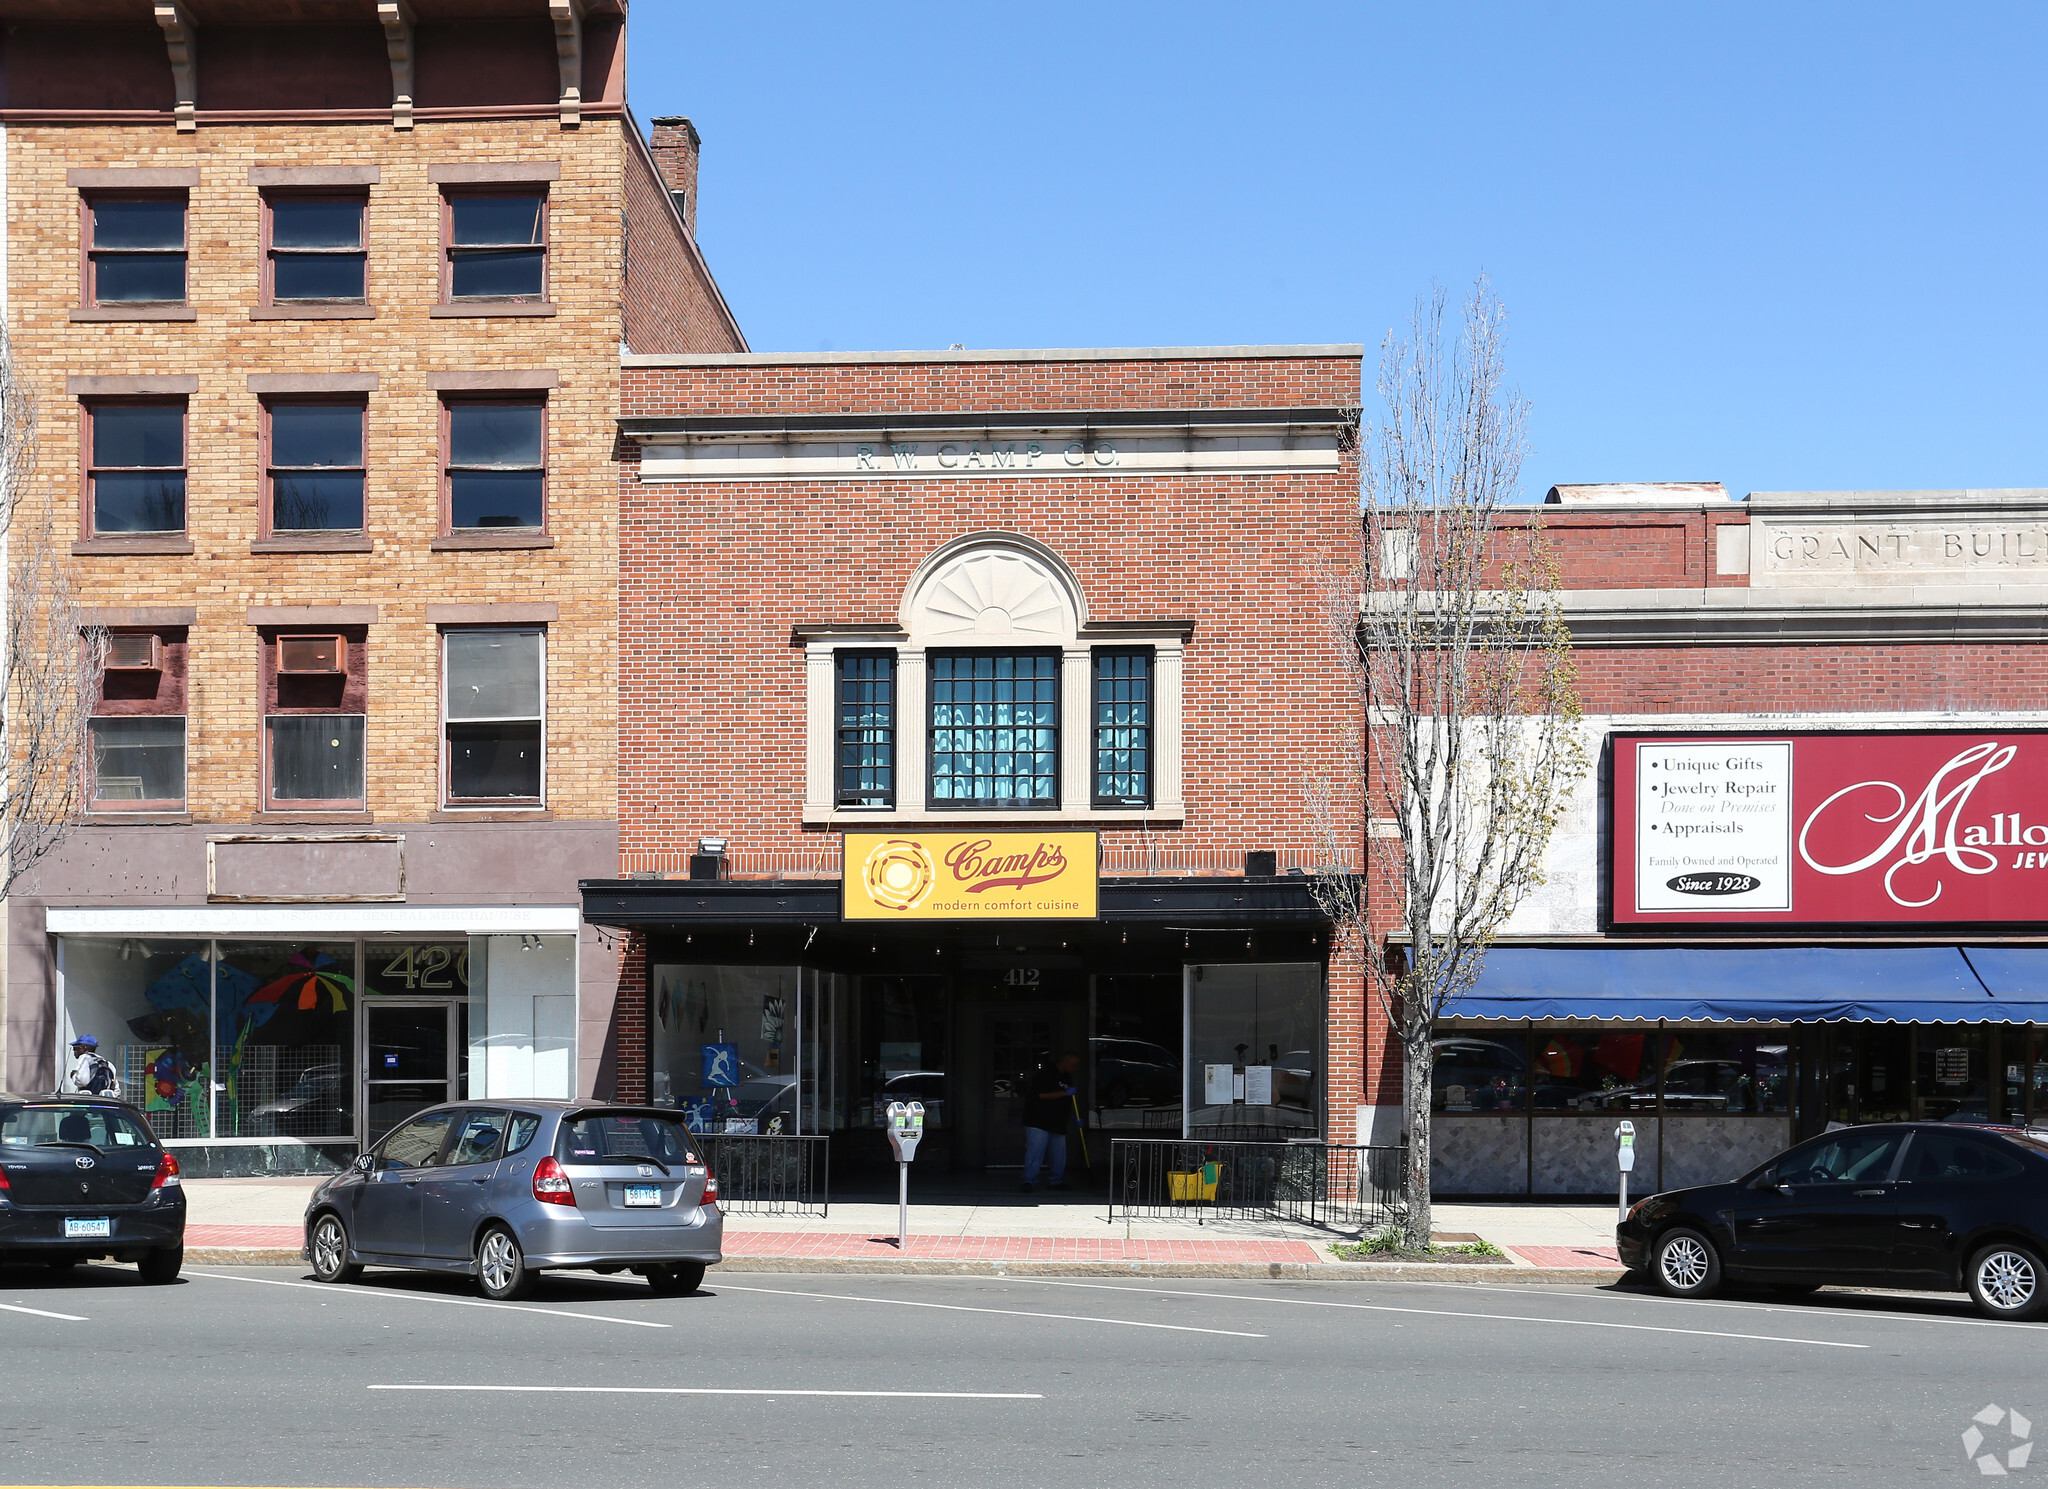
{"points": [[1012, 455], [976, 869]]}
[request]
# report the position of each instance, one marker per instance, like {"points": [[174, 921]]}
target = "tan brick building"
{"points": [[323, 317]]}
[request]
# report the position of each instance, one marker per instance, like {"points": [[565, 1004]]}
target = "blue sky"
{"points": [[1781, 246]]}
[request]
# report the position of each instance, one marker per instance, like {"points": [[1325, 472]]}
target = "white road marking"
{"points": [[69, 1318], [378, 1292], [1071, 1318], [1812, 1310], [731, 1391], [1518, 1318]]}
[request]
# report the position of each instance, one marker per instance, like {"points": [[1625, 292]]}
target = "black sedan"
{"points": [[84, 1177], [1928, 1206]]}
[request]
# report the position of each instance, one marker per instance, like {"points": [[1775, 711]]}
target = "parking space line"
{"points": [[69, 1318], [730, 1391], [1807, 1310], [1070, 1318], [378, 1292], [1519, 1318]]}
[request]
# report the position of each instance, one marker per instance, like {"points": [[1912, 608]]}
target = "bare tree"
{"points": [[1452, 632], [51, 663]]}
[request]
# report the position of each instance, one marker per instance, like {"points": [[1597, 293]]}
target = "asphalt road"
{"points": [[259, 1376]]}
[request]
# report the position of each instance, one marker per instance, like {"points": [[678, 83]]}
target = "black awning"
{"points": [[1191, 902]]}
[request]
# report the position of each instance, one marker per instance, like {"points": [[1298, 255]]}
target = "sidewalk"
{"points": [[238, 1220]]}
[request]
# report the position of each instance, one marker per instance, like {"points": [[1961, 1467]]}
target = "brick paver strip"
{"points": [[1568, 1256]]}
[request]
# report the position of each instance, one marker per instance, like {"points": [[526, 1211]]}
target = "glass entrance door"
{"points": [[411, 1054]]}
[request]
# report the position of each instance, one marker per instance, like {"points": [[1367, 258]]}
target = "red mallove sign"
{"points": [[1827, 829]]}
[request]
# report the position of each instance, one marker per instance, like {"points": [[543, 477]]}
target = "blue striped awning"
{"points": [[1763, 984]]}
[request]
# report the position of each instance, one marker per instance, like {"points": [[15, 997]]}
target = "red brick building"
{"points": [[1032, 601], [1804, 884]]}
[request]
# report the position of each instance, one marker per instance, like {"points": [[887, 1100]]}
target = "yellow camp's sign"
{"points": [[970, 876]]}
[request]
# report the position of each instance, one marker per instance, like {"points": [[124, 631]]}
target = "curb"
{"points": [[215, 1256]]}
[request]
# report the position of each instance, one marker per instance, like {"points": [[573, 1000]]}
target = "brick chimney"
{"points": [[675, 144]]}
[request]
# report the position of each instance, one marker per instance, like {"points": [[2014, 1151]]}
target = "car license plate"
{"points": [[643, 1194], [85, 1230]]}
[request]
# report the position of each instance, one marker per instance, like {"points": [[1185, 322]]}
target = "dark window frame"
{"points": [[450, 250], [273, 195], [933, 801], [89, 469], [350, 700], [1097, 728], [157, 694], [861, 737], [266, 518], [521, 399], [89, 253], [449, 799]]}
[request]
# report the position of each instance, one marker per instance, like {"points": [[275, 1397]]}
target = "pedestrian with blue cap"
{"points": [[91, 1074]]}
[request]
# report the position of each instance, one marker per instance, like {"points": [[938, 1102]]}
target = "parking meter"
{"points": [[906, 1130], [1625, 1158]]}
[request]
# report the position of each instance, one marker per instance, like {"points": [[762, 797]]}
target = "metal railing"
{"points": [[1308, 1183], [769, 1174]]}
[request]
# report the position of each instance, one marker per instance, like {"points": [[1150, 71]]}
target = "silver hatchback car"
{"points": [[501, 1190]]}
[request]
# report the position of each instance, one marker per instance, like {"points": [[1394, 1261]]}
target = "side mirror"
{"points": [[366, 1162]]}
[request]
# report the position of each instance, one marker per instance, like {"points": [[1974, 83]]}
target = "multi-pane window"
{"points": [[1123, 728], [316, 467], [137, 730], [995, 739], [316, 250], [135, 250], [497, 465], [135, 467], [497, 245], [314, 697], [865, 738], [494, 691]]}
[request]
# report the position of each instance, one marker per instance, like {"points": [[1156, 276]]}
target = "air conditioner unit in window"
{"points": [[317, 656], [133, 653]]}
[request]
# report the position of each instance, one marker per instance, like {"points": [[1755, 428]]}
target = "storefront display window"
{"points": [[284, 1021], [1883, 1091], [149, 1004], [1579, 1069], [904, 1038], [1721, 1071], [522, 1013], [1256, 1042], [722, 1044], [1480, 1071]]}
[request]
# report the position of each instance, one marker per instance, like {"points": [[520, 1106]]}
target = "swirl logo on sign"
{"points": [[899, 874]]}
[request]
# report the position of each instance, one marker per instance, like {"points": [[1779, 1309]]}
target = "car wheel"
{"points": [[500, 1265], [2007, 1281], [329, 1248], [160, 1267], [681, 1278], [1685, 1264]]}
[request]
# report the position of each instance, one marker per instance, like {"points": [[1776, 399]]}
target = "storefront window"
{"points": [[284, 1022], [149, 1004], [1720, 1071], [723, 1045], [1884, 1073], [1952, 1075], [1257, 1037], [1135, 1053], [522, 1015], [1576, 1069], [1479, 1070]]}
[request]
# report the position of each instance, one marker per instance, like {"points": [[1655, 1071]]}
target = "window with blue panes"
{"points": [[864, 744], [1123, 702], [995, 737]]}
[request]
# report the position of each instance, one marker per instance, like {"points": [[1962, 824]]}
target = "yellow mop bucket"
{"points": [[1195, 1187]]}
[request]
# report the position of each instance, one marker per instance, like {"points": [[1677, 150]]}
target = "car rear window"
{"points": [[597, 1136], [102, 1126]]}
